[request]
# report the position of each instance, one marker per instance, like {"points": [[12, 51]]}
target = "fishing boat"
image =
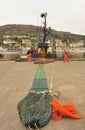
{"points": [[42, 47], [40, 105]]}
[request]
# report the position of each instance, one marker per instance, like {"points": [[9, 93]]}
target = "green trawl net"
{"points": [[35, 108]]}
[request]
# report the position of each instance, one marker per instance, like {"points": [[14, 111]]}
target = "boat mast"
{"points": [[43, 45], [44, 15]]}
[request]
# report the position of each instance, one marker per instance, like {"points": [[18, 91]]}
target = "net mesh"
{"points": [[35, 107]]}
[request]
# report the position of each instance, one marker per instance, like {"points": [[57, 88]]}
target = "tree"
{"points": [[1, 40], [84, 42]]}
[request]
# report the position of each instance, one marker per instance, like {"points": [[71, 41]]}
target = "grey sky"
{"points": [[63, 15]]}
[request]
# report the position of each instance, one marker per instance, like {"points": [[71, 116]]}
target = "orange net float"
{"points": [[59, 111]]}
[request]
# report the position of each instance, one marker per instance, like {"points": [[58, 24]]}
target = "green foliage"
{"points": [[1, 40], [36, 31], [84, 42]]}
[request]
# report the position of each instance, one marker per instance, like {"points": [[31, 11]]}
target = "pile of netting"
{"points": [[43, 61], [39, 106], [35, 109]]}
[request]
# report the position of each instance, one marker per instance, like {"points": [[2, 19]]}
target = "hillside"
{"points": [[17, 29]]}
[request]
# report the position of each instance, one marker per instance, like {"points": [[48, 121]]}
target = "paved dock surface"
{"points": [[16, 79]]}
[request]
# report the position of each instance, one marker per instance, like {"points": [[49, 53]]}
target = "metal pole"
{"points": [[51, 84]]}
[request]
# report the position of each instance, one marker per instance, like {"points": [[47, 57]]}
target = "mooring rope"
{"points": [[36, 126], [56, 94], [29, 127], [52, 78]]}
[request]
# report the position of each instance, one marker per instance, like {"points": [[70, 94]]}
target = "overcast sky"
{"points": [[63, 15]]}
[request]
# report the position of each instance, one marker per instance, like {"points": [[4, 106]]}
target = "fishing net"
{"points": [[35, 108], [39, 106]]}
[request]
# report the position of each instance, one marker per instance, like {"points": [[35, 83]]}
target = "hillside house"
{"points": [[79, 44]]}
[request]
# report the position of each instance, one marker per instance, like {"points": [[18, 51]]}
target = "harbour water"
{"points": [[77, 54], [72, 53]]}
